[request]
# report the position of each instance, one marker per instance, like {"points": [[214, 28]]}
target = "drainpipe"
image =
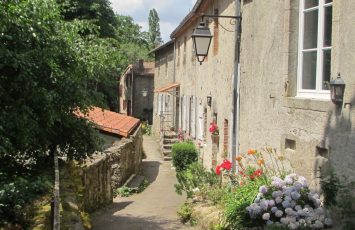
{"points": [[174, 79], [236, 88], [132, 91]]}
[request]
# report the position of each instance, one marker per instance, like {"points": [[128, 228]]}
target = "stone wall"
{"points": [[214, 77], [109, 170], [312, 133]]}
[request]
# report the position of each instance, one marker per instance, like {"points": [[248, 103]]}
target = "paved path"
{"points": [[153, 209]]}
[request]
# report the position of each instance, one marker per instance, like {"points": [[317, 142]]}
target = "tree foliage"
{"points": [[45, 73], [154, 29]]}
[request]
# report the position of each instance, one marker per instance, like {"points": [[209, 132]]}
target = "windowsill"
{"points": [[321, 105]]}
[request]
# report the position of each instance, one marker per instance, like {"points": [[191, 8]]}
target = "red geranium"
{"points": [[213, 128], [218, 170], [226, 165], [258, 172]]}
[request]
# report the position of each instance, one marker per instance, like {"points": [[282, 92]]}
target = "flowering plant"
{"points": [[226, 165], [213, 128], [289, 202]]}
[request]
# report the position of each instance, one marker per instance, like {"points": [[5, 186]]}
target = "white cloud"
{"points": [[170, 12], [126, 7], [166, 28]]}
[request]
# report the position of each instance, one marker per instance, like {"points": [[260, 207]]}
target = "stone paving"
{"points": [[153, 209]]}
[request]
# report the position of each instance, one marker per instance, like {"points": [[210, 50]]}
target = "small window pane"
{"points": [[310, 29], [310, 3], [309, 70], [328, 26], [326, 69], [328, 1]]}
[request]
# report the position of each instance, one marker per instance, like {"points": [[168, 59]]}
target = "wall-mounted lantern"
{"points": [[144, 92], [209, 100], [337, 89], [201, 39], [202, 36]]}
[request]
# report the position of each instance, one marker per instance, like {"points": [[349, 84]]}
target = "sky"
{"points": [[170, 12]]}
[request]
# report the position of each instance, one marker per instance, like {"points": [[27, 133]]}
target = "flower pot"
{"points": [[215, 139]]}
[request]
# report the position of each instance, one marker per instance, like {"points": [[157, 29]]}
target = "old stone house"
{"points": [[166, 90], [279, 72], [136, 91], [193, 83], [290, 50]]}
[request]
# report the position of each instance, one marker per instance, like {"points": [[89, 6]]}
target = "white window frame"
{"points": [[318, 93]]}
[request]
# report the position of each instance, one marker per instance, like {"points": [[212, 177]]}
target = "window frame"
{"points": [[318, 92]]}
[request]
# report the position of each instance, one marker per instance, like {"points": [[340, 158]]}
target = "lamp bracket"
{"points": [[220, 16]]}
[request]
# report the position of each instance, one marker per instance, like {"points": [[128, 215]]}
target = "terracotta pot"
{"points": [[215, 139]]}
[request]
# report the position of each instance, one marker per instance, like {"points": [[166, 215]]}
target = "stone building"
{"points": [[279, 74], [166, 91], [290, 50], [212, 79], [136, 91]]}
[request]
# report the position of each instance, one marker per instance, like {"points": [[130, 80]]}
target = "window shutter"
{"points": [[201, 122], [180, 112], [193, 117]]}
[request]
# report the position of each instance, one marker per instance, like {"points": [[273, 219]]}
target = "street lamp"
{"points": [[202, 39], [144, 92], [202, 36], [337, 88]]}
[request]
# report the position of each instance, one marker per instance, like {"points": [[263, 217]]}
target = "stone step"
{"points": [[166, 152], [170, 141], [167, 158], [167, 146]]}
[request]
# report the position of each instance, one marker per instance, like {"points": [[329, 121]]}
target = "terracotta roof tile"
{"points": [[167, 87], [111, 122]]}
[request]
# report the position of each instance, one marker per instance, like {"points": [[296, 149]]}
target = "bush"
{"points": [[183, 154], [16, 194], [235, 213], [185, 213], [196, 178], [290, 203]]}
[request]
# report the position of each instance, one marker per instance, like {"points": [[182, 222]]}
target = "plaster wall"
{"points": [[213, 77], [312, 134]]}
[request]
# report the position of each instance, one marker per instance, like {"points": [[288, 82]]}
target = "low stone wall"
{"points": [[109, 170]]}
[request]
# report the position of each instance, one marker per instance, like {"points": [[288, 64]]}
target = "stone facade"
{"points": [[213, 78], [109, 170], [163, 76], [132, 101], [312, 133]]}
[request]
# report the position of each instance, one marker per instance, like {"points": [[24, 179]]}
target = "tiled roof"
{"points": [[167, 87], [111, 122], [192, 15]]}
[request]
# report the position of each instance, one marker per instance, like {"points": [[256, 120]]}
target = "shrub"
{"points": [[195, 179], [288, 202], [185, 213], [183, 154], [235, 213], [146, 128], [16, 194]]}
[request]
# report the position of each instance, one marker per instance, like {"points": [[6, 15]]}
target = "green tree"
{"points": [[98, 12], [154, 29], [46, 70]]}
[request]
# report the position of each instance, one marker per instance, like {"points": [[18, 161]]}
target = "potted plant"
{"points": [[214, 132]]}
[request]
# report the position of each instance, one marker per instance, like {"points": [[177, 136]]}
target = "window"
{"points": [[315, 45]]}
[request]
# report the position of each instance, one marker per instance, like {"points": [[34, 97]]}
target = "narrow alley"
{"points": [[154, 208]]}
